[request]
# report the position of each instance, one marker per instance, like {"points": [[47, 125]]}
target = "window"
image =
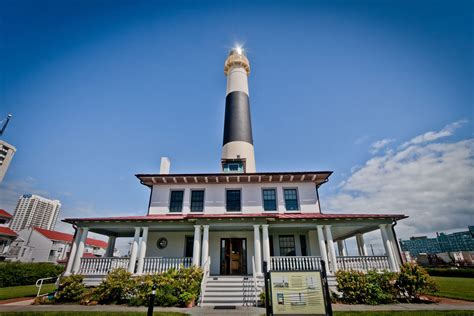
{"points": [[287, 245], [176, 201], [197, 200], [291, 199], [269, 200], [233, 167], [304, 249], [188, 246], [233, 200]]}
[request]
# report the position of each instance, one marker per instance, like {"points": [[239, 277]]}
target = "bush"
{"points": [[116, 288], [71, 289], [18, 273], [448, 272], [414, 281]]}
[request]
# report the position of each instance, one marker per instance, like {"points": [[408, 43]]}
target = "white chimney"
{"points": [[165, 165]]}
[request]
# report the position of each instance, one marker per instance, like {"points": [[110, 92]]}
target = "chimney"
{"points": [[165, 165]]}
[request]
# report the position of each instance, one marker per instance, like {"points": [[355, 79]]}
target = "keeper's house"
{"points": [[232, 221]]}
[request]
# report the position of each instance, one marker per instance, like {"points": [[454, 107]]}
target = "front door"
{"points": [[233, 256]]}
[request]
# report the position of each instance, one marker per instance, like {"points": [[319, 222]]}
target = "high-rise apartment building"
{"points": [[36, 211], [6, 154]]}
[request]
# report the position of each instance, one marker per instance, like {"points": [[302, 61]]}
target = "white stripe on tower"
{"points": [[238, 140]]}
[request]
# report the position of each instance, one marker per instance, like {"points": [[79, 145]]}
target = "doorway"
{"points": [[233, 256]]}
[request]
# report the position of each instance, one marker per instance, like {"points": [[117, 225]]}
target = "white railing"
{"points": [[363, 264], [161, 264], [206, 271], [101, 266], [39, 284], [254, 281], [295, 263]]}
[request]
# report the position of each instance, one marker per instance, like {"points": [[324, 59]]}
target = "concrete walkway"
{"points": [[244, 311]]}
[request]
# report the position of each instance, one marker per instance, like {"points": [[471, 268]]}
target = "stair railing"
{"points": [[254, 281], [205, 276]]}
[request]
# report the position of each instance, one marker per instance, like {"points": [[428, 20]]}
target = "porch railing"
{"points": [[101, 266], [161, 264], [295, 263], [363, 263]]}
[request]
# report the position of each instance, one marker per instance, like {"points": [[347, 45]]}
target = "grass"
{"points": [[89, 313], [407, 313], [454, 287], [23, 291]]}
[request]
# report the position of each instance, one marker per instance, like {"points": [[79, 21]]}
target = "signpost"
{"points": [[295, 292]]}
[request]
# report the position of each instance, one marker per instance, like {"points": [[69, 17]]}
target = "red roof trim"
{"points": [[236, 215], [7, 231], [59, 236], [5, 214]]}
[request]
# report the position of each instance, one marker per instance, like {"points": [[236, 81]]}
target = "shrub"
{"points": [[116, 288], [414, 281], [71, 289], [448, 272], [352, 285], [18, 273]]}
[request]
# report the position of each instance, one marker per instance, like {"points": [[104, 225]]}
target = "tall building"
{"points": [[6, 154], [37, 211], [459, 241]]}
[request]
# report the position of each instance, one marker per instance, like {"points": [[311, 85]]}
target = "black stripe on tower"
{"points": [[237, 124]]}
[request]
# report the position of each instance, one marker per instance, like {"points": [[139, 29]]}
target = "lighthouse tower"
{"points": [[237, 148]]}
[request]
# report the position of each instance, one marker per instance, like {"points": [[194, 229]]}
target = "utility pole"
{"points": [[5, 123]]}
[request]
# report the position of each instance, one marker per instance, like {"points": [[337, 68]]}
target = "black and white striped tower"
{"points": [[238, 142]]}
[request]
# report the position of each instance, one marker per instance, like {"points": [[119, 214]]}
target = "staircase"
{"points": [[231, 291]]}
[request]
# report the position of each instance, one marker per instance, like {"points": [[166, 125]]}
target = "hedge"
{"points": [[18, 273], [447, 272]]}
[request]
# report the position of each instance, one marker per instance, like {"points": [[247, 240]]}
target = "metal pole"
{"points": [[324, 279], [151, 303], [267, 292]]}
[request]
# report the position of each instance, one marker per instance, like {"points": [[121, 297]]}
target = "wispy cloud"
{"points": [[377, 145], [430, 136]]}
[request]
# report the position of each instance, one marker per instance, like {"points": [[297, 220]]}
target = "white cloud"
{"points": [[432, 183], [377, 145], [430, 136]]}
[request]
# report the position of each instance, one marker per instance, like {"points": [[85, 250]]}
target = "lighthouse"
{"points": [[237, 147]]}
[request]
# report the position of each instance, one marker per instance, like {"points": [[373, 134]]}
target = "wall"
{"points": [[251, 197], [175, 248]]}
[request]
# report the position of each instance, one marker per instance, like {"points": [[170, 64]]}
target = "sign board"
{"points": [[297, 293]]}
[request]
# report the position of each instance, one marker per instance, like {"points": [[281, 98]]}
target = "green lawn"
{"points": [[408, 313], [460, 288], [88, 313], [23, 291]]}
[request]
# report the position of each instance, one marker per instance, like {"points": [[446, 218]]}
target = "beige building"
{"points": [[6, 154], [37, 211]]}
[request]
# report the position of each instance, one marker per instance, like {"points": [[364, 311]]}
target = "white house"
{"points": [[41, 245], [7, 236], [231, 222]]}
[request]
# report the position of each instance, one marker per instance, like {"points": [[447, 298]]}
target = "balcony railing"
{"points": [[295, 263], [161, 264], [101, 266], [363, 263]]}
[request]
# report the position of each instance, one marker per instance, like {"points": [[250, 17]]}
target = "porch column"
{"points": [[388, 248], [134, 250], [110, 247], [395, 248], [361, 245], [257, 249], [341, 249], [80, 250], [72, 254], [332, 251], [197, 244], [266, 245], [322, 247], [205, 244], [141, 255]]}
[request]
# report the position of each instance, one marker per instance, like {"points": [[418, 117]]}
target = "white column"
{"points": [[322, 247], [388, 248], [141, 255], [266, 245], [134, 250], [331, 250], [205, 244], [313, 245], [109, 252], [361, 245], [197, 245], [341, 248], [394, 244], [257, 249], [80, 250], [72, 254]]}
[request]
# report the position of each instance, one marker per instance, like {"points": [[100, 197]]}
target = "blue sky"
{"points": [[100, 90]]}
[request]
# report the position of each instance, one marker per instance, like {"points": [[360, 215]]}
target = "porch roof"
{"points": [[318, 177], [271, 216]]}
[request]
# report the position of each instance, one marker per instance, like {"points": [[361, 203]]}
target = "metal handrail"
{"points": [[254, 280], [40, 285], [205, 276]]}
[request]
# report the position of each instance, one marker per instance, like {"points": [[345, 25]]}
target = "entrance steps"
{"points": [[231, 291]]}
